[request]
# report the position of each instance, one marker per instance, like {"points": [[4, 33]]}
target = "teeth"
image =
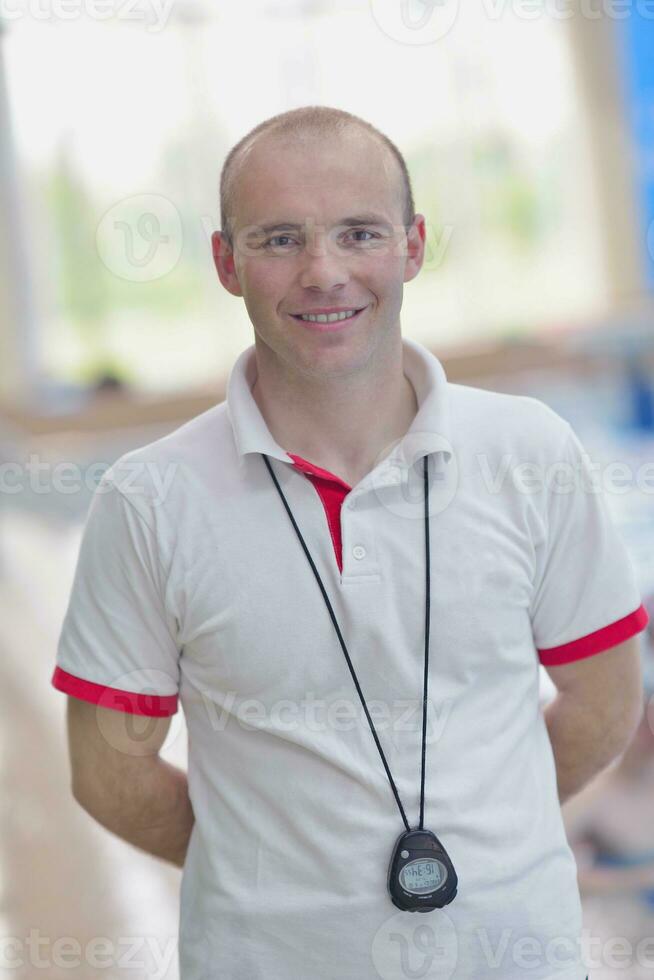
{"points": [[328, 317]]}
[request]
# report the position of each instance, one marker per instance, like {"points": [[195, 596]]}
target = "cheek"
{"points": [[383, 277], [264, 283], [383, 268]]}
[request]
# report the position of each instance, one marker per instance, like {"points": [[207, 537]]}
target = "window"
{"points": [[121, 130]]}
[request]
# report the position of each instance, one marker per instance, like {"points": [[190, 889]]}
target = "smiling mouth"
{"points": [[328, 317]]}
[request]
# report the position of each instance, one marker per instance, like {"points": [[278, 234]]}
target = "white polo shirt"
{"points": [[191, 584]]}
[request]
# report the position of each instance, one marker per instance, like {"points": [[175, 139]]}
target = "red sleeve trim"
{"points": [[602, 639], [152, 705]]}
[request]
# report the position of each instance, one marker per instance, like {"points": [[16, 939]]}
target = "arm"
{"points": [[594, 714], [608, 881], [119, 778]]}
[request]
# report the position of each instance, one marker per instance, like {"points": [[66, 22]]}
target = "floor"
{"points": [[73, 897]]}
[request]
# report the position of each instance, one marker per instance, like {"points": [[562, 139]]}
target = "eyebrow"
{"points": [[356, 219]]}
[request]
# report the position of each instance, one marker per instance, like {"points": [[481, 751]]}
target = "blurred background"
{"points": [[528, 129]]}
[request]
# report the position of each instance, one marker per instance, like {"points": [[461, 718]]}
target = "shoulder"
{"points": [[486, 420], [157, 473]]}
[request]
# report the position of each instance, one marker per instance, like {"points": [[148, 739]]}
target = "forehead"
{"points": [[323, 178]]}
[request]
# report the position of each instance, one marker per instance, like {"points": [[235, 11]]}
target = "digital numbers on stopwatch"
{"points": [[422, 876]]}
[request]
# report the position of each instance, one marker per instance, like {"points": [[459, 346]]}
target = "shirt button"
{"points": [[359, 551]]}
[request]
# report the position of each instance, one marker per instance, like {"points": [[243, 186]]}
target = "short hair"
{"points": [[314, 120]]}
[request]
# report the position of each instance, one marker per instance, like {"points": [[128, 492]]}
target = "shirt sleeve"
{"points": [[585, 598], [118, 643]]}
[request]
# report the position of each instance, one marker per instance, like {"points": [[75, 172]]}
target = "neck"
{"points": [[341, 424]]}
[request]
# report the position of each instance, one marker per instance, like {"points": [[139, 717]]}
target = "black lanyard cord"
{"points": [[426, 678], [347, 656]]}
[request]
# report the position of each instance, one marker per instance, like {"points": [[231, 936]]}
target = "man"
{"points": [[289, 823]]}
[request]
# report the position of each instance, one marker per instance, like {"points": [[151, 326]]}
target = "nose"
{"points": [[322, 267]]}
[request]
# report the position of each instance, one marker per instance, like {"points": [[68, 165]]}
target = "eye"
{"points": [[277, 238], [363, 231]]}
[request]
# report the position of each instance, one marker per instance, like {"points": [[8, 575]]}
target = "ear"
{"points": [[223, 258], [415, 248]]}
